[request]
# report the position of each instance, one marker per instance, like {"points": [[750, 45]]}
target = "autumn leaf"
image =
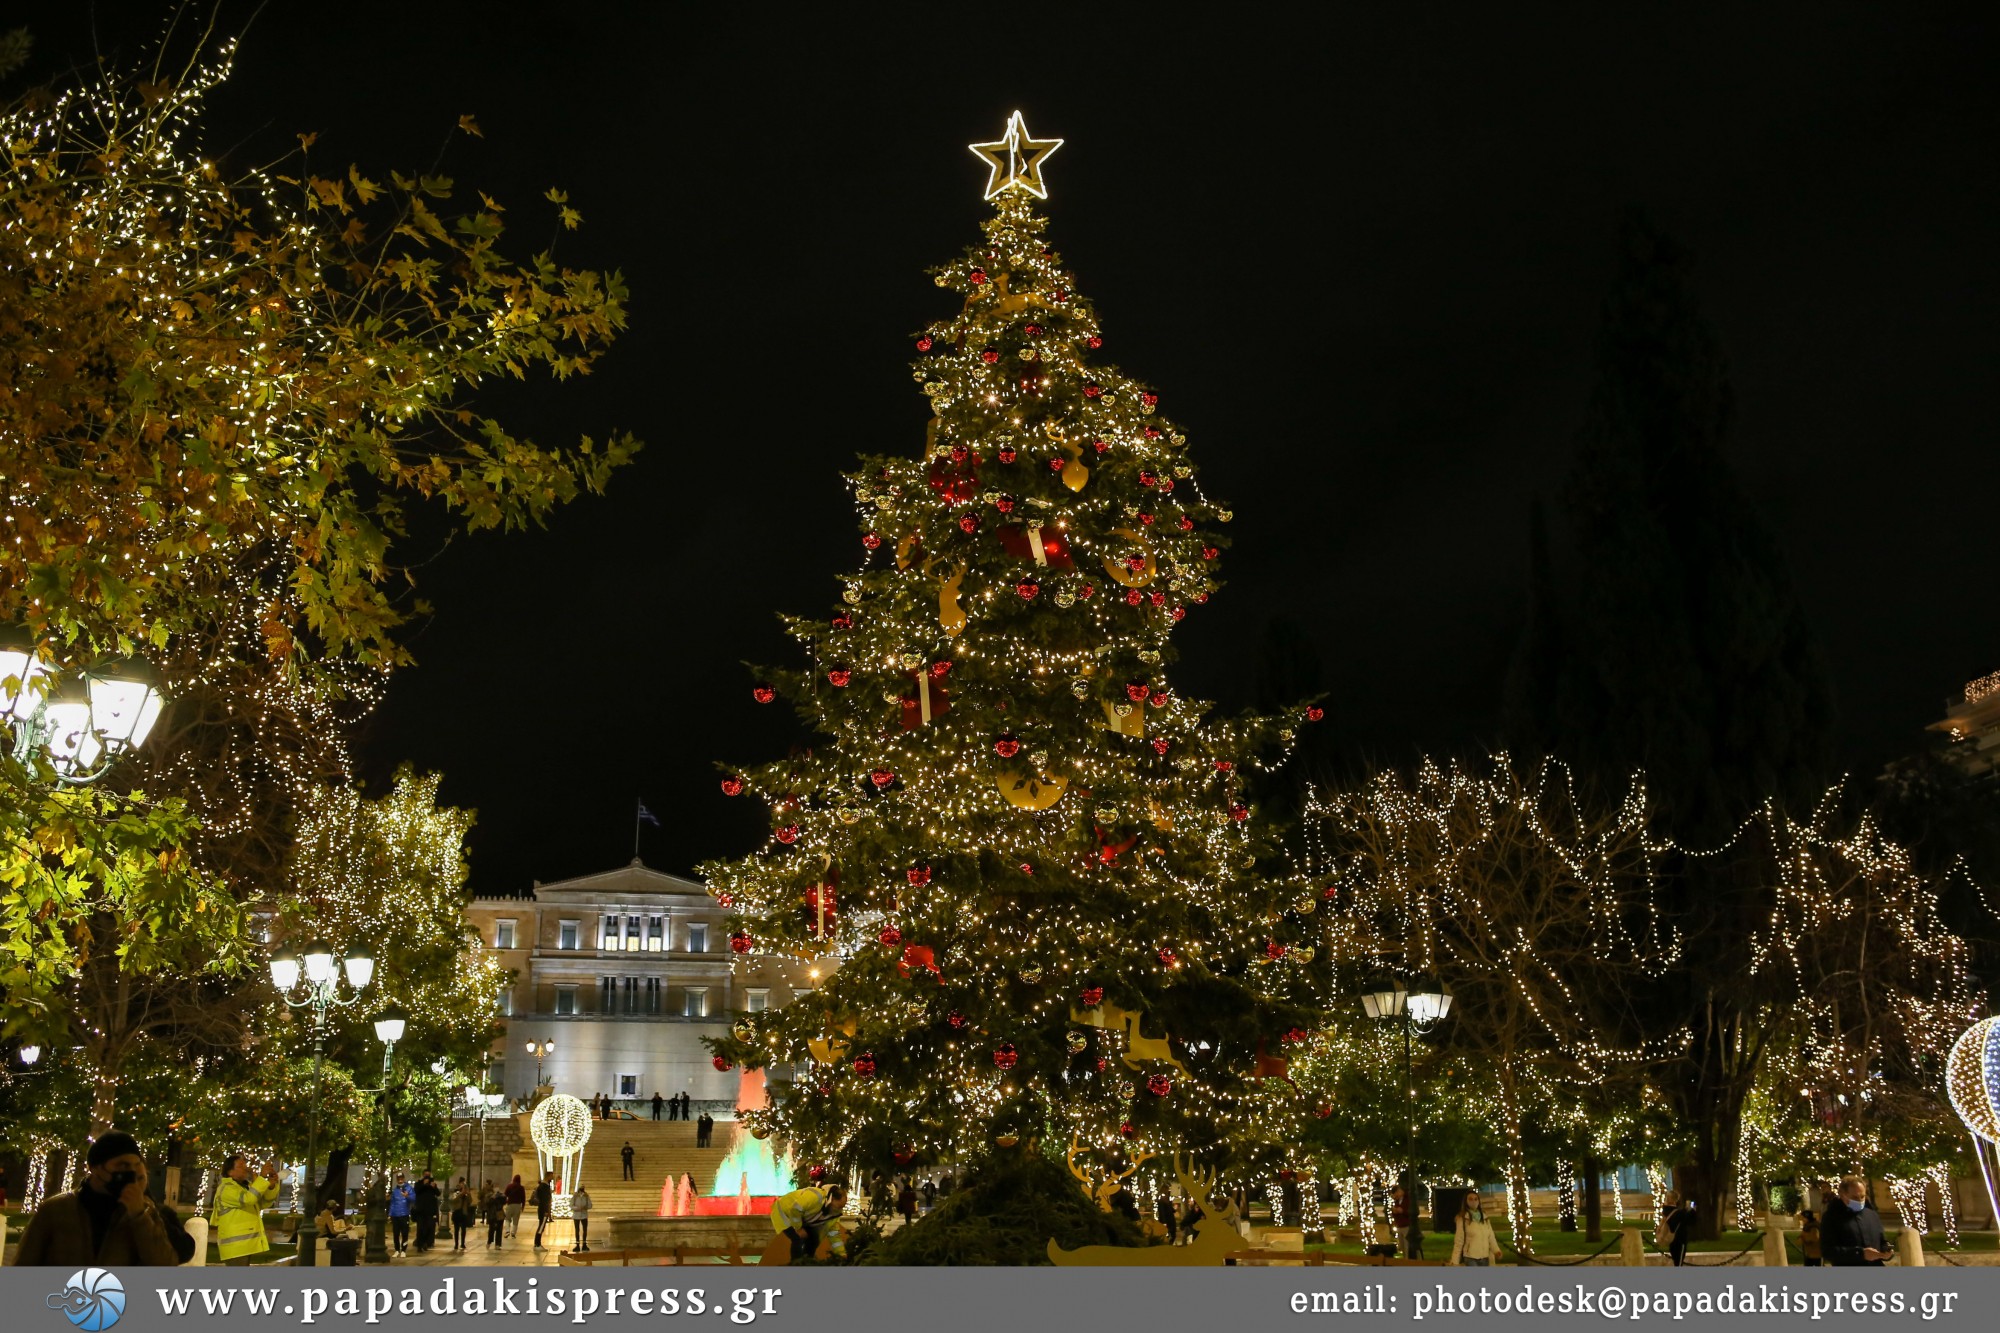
{"points": [[470, 126]]}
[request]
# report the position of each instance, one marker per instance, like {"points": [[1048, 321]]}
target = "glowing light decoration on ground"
{"points": [[1972, 1081], [560, 1128]]}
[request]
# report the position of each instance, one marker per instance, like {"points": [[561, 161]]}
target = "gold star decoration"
{"points": [[1015, 160]]}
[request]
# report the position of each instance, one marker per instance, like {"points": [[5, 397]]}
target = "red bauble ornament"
{"points": [[1167, 484], [1239, 813], [1055, 465], [1006, 747], [1323, 1111], [890, 936], [1032, 330], [1157, 598], [871, 540], [1093, 390], [968, 523], [1091, 996], [1152, 432], [955, 1021], [732, 786], [1180, 613], [1006, 455], [1223, 765], [1128, 1129], [1159, 700], [1295, 1036], [924, 344], [902, 1154], [1148, 478], [1159, 1085], [1059, 296], [864, 1065], [1134, 597], [1315, 713], [939, 670], [1137, 691], [1005, 1056], [842, 621], [882, 777], [1027, 868], [723, 1064], [816, 1173], [1102, 1064], [1209, 552], [763, 694], [1027, 588], [838, 677], [1186, 523], [741, 942], [1201, 597], [1168, 958], [725, 900], [1146, 519], [977, 277], [1161, 745], [788, 834], [1330, 892], [1005, 504], [918, 875], [1085, 591], [990, 356], [1150, 399], [1273, 950]]}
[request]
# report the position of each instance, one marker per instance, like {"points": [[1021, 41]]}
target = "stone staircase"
{"points": [[660, 1149]]}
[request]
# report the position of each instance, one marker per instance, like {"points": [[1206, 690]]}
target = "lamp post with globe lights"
{"points": [[315, 976], [1416, 1012], [81, 723], [389, 1029], [541, 1050]]}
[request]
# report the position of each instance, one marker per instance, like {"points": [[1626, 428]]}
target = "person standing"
{"points": [[516, 1198], [108, 1222], [686, 1101], [493, 1208], [625, 1156], [544, 1200], [1472, 1240], [579, 1209], [1168, 1216], [463, 1209], [402, 1198], [929, 1192], [659, 1103], [237, 1222], [906, 1201], [1809, 1248], [1851, 1235], [1676, 1227], [424, 1208], [704, 1130]]}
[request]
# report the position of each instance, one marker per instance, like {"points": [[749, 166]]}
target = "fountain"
{"points": [[736, 1209]]}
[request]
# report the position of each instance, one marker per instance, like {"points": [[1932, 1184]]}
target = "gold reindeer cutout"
{"points": [[1138, 1046], [951, 616], [1214, 1237], [1103, 1185]]}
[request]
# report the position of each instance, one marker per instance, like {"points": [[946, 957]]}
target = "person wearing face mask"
{"points": [[109, 1223], [1850, 1235], [1472, 1242], [240, 1200]]}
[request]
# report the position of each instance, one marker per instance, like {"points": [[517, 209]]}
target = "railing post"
{"points": [[1910, 1248], [1774, 1248], [1631, 1250]]}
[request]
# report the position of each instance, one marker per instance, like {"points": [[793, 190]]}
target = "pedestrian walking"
{"points": [[1472, 1240], [424, 1209], [237, 1222], [625, 1156], [929, 1192], [1851, 1234], [1676, 1227], [493, 1209], [579, 1209], [1809, 1246], [516, 1199], [402, 1198], [659, 1103], [906, 1201], [108, 1222], [544, 1200], [1169, 1216]]}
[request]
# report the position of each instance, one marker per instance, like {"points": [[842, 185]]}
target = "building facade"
{"points": [[1973, 724], [625, 972]]}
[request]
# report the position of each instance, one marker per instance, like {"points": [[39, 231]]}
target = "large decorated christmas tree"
{"points": [[1033, 873]]}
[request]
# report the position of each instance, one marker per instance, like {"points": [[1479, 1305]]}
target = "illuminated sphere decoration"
{"points": [[560, 1128], [1972, 1078]]}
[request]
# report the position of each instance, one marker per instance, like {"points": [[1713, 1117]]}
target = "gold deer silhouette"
{"points": [[1102, 1186], [1138, 1046], [1215, 1236]]}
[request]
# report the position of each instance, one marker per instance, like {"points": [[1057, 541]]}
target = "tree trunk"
{"points": [[333, 1185], [1593, 1202]]}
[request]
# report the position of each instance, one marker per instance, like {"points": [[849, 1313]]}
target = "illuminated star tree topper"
{"points": [[1015, 160]]}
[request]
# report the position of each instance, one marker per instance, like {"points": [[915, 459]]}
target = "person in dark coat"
{"points": [[625, 1156], [1676, 1227], [424, 1208], [544, 1199], [906, 1201], [108, 1223], [704, 1130], [493, 1208], [1169, 1216], [1851, 1235], [659, 1103]]}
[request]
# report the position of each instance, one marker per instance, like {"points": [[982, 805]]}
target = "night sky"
{"points": [[1361, 258]]}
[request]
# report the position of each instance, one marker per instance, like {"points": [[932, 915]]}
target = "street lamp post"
{"points": [[389, 1029], [319, 995], [541, 1050], [1416, 1012], [81, 723]]}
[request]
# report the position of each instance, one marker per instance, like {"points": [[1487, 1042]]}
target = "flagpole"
{"points": [[637, 805]]}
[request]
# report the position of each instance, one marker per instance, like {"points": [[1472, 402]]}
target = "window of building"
{"points": [[497, 1073], [503, 934], [631, 934], [607, 933], [566, 934], [631, 995], [652, 995], [607, 995], [656, 933], [628, 1085], [507, 1002], [565, 999], [697, 1002], [697, 937], [757, 1001]]}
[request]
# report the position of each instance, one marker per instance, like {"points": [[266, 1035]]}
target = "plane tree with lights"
{"points": [[1036, 870]]}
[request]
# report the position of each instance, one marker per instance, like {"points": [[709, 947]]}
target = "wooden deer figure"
{"points": [[1102, 1187], [1138, 1046], [1215, 1236]]}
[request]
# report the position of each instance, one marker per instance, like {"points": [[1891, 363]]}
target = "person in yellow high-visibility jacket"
{"points": [[240, 1201], [801, 1215]]}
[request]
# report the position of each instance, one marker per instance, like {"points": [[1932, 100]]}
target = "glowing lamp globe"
{"points": [[561, 1125], [1972, 1078]]}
